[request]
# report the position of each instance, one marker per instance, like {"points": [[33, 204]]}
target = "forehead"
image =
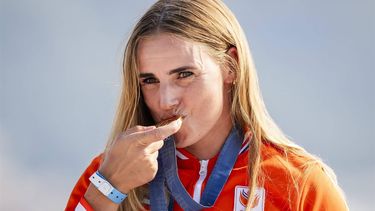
{"points": [[165, 51]]}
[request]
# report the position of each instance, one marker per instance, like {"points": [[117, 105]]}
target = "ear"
{"points": [[230, 75], [232, 52]]}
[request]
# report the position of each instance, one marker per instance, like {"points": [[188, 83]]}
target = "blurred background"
{"points": [[60, 65]]}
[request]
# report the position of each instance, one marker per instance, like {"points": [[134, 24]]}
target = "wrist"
{"points": [[120, 184], [106, 188], [97, 200]]}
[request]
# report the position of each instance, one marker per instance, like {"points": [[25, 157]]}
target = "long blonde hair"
{"points": [[212, 24]]}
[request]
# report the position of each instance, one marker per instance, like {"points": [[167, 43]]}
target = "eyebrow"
{"points": [[176, 70]]}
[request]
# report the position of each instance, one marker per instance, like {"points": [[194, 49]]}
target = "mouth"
{"points": [[169, 120]]}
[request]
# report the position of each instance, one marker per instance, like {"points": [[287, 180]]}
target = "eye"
{"points": [[149, 80], [184, 74]]}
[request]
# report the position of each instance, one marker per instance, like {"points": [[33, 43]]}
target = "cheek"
{"points": [[150, 100], [208, 99]]}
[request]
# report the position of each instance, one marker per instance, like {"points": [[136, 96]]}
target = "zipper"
{"points": [[202, 177]]}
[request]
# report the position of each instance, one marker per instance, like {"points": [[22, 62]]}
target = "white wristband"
{"points": [[106, 188]]}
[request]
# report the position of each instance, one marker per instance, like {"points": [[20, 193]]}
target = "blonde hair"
{"points": [[212, 24]]}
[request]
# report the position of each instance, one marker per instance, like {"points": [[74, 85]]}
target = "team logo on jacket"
{"points": [[241, 197]]}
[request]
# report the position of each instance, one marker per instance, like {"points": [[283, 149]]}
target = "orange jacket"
{"points": [[315, 190]]}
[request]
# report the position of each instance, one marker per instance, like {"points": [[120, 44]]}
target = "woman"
{"points": [[189, 61]]}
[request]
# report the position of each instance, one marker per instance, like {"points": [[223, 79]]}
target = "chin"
{"points": [[181, 145], [184, 137], [184, 142]]}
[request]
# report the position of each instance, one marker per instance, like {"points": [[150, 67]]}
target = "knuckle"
{"points": [[123, 139], [156, 154], [158, 134], [138, 127], [159, 144], [120, 139], [119, 136], [145, 153], [152, 167], [141, 140], [150, 176], [133, 129], [154, 172]]}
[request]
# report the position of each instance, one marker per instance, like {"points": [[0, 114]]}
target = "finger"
{"points": [[160, 133], [137, 128], [154, 147], [154, 156]]}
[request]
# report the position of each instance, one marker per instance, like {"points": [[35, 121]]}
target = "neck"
{"points": [[211, 144]]}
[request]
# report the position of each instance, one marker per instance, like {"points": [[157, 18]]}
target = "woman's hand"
{"points": [[132, 159]]}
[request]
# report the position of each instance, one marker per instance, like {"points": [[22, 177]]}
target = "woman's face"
{"points": [[178, 77]]}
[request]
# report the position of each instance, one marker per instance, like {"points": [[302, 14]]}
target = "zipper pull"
{"points": [[203, 169]]}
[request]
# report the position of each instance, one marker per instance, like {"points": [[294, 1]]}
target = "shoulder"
{"points": [[319, 192], [298, 181], [279, 166]]}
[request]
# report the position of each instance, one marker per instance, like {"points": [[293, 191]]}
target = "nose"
{"points": [[169, 97]]}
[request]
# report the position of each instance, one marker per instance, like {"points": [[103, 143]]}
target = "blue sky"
{"points": [[60, 64]]}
